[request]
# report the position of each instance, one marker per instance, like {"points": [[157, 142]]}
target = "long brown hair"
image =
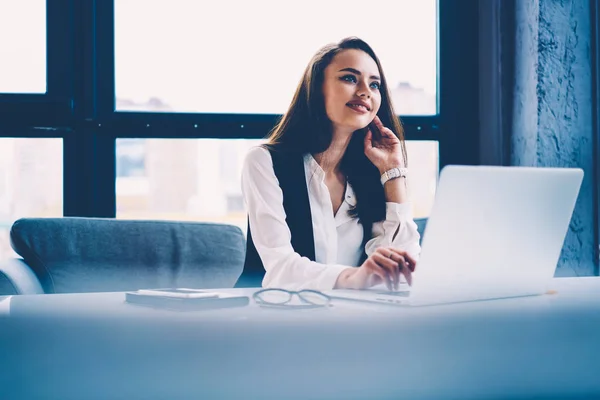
{"points": [[306, 128]]}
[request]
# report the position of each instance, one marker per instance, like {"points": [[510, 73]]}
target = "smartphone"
{"points": [[185, 299], [181, 293]]}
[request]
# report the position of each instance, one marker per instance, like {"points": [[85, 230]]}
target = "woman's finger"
{"points": [[403, 268], [390, 266], [388, 253], [407, 274], [410, 260], [378, 123], [378, 270], [379, 128], [368, 140], [388, 134], [384, 132]]}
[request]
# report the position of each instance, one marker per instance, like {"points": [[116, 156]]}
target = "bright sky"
{"points": [[248, 56], [228, 55], [22, 46]]}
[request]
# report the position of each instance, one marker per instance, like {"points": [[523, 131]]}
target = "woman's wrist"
{"points": [[396, 191], [390, 164], [344, 280]]}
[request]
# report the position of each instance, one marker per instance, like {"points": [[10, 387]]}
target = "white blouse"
{"points": [[338, 238]]}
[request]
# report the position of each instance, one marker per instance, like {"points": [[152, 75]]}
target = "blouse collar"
{"points": [[313, 170]]}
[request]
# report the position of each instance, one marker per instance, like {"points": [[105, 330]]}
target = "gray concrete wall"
{"points": [[552, 114]]}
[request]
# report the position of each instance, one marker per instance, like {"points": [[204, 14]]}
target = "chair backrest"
{"points": [[95, 254], [421, 224], [6, 286]]}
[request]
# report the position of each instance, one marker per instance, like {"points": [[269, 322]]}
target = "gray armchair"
{"points": [[68, 255], [421, 224]]}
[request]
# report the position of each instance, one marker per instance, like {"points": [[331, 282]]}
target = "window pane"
{"points": [[31, 182], [181, 179], [200, 179], [238, 56], [423, 163], [23, 46]]}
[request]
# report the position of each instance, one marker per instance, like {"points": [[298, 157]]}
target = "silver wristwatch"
{"points": [[393, 173]]}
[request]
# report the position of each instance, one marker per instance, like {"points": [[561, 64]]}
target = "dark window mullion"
{"points": [[104, 62], [89, 174], [77, 148], [89, 157], [59, 39], [97, 94], [104, 175], [458, 82]]}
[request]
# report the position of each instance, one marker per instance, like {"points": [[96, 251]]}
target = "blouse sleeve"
{"points": [[284, 267], [398, 230]]}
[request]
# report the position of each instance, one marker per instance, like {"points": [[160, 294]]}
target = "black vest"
{"points": [[289, 170]]}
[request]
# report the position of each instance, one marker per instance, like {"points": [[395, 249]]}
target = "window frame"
{"points": [[205, 125], [457, 73], [52, 109], [455, 27], [79, 105]]}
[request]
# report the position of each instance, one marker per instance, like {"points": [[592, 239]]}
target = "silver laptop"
{"points": [[493, 232]]}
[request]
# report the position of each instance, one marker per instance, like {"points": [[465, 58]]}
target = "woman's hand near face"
{"points": [[385, 265], [385, 152]]}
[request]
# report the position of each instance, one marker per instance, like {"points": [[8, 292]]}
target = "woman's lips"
{"points": [[357, 109]]}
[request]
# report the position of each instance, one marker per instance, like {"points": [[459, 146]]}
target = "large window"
{"points": [[239, 56], [137, 100], [23, 46]]}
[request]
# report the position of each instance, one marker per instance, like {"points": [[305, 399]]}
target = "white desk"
{"points": [[94, 346]]}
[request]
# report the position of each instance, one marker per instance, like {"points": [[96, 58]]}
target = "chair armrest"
{"points": [[21, 276]]}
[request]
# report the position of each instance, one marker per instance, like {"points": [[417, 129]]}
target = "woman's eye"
{"points": [[376, 85], [349, 78]]}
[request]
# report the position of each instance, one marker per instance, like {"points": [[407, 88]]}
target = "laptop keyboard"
{"points": [[402, 293]]}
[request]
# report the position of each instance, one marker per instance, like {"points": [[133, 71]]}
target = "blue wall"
{"points": [[552, 113]]}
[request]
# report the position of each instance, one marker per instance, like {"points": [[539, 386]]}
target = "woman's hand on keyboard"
{"points": [[385, 265]]}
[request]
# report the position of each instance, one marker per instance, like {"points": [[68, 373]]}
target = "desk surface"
{"points": [[565, 292], [95, 346]]}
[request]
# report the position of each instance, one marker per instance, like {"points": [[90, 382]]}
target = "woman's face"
{"points": [[351, 90]]}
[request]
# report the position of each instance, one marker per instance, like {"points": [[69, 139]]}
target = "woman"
{"points": [[326, 196]]}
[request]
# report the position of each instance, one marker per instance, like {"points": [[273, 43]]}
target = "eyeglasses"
{"points": [[283, 298]]}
